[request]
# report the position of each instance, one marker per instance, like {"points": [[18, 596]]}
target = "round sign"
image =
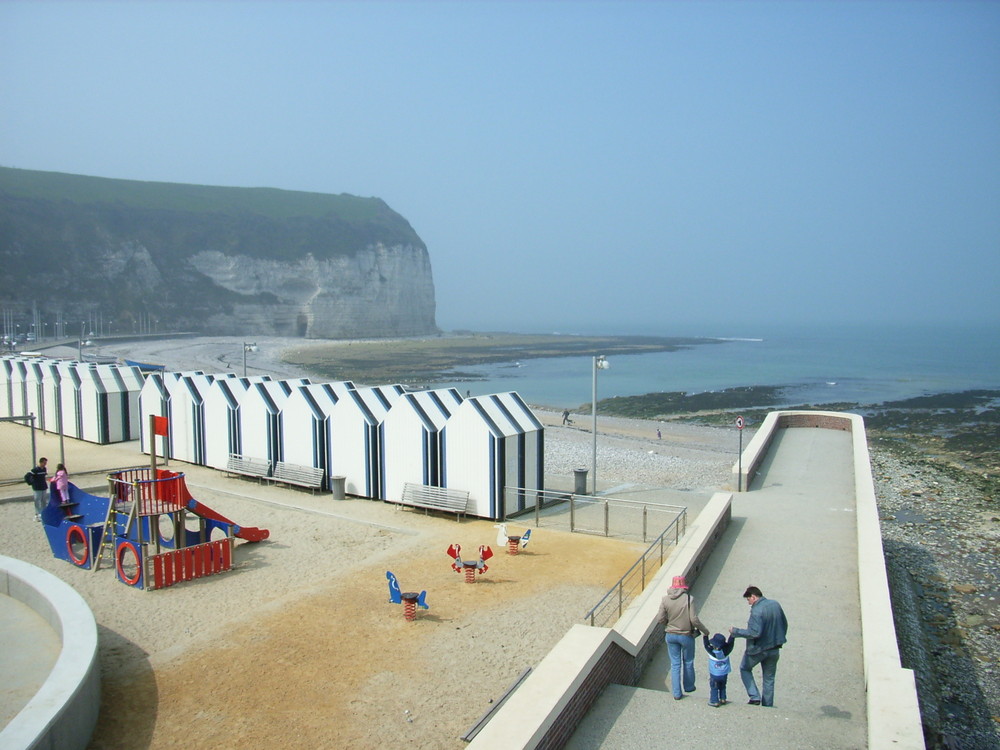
{"points": [[739, 423]]}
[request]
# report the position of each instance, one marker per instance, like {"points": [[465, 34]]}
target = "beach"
{"points": [[298, 644]]}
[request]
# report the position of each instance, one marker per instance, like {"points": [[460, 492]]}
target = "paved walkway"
{"points": [[794, 537]]}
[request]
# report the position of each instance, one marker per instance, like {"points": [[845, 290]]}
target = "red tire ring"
{"points": [[72, 531], [122, 547]]}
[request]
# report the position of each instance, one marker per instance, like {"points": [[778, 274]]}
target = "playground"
{"points": [[298, 643]]}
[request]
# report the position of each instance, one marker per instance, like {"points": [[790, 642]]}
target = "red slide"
{"points": [[248, 533]]}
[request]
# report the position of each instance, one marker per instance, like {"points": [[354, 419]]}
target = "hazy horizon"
{"points": [[708, 168]]}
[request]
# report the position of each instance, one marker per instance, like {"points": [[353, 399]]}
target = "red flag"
{"points": [[160, 426]]}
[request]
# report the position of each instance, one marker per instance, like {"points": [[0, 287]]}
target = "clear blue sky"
{"points": [[668, 167]]}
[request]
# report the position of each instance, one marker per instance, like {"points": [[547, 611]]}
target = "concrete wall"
{"points": [[548, 705], [63, 713], [893, 709]]}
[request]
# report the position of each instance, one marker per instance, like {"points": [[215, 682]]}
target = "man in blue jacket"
{"points": [[39, 486], [765, 634]]}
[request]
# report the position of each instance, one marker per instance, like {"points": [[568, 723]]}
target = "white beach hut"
{"points": [[6, 391], [34, 377], [412, 449], [154, 401], [18, 388], [261, 422], [103, 404], [189, 426], [132, 382], [90, 391], [69, 398], [355, 441], [118, 402], [52, 395], [222, 412], [495, 450], [306, 418]]}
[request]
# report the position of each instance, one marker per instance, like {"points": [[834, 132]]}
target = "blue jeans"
{"points": [[681, 647], [768, 661], [41, 500], [717, 688]]}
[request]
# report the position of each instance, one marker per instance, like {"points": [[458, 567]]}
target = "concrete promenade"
{"points": [[794, 536]]}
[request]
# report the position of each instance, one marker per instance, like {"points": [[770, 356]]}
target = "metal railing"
{"points": [[589, 514], [629, 586]]}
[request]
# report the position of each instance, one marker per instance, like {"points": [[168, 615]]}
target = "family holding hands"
{"points": [[765, 633]]}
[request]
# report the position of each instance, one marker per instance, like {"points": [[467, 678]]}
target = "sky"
{"points": [[673, 168]]}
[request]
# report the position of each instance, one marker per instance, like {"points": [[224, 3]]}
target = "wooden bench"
{"points": [[435, 498], [303, 476], [248, 467]]}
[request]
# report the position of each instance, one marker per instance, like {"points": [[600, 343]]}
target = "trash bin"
{"points": [[579, 481], [337, 487]]}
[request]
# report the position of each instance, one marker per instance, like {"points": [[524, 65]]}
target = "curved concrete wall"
{"points": [[63, 713]]}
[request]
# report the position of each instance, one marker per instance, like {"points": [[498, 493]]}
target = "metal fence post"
{"points": [[606, 517]]}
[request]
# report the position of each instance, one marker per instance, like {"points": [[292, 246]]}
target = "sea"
{"points": [[817, 364]]}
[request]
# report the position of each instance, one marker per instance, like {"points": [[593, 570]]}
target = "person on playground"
{"points": [[765, 634], [39, 486], [61, 482]]}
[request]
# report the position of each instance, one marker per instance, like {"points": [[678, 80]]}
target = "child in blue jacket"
{"points": [[718, 649]]}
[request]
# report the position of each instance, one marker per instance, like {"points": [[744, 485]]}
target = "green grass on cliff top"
{"points": [[272, 202]]}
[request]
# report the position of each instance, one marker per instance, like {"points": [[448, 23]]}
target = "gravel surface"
{"points": [[942, 539]]}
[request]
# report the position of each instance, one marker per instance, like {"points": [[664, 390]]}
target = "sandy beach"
{"points": [[298, 644]]}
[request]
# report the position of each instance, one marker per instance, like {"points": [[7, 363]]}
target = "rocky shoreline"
{"points": [[941, 536]]}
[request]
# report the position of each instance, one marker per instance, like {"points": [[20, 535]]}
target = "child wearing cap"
{"points": [[718, 649]]}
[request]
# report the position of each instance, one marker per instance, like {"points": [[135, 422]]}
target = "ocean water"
{"points": [[819, 364]]}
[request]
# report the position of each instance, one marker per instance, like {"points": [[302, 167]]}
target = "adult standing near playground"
{"points": [[39, 486], [765, 633], [680, 626]]}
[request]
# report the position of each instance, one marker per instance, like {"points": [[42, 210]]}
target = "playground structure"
{"points": [[157, 533], [470, 568], [514, 543], [409, 599]]}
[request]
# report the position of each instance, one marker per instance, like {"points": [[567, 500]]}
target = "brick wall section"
{"points": [[615, 666], [823, 421]]}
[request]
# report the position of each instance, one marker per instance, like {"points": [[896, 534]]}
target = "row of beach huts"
{"points": [[375, 440]]}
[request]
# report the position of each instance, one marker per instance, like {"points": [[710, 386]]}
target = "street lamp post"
{"points": [[600, 363], [247, 348]]}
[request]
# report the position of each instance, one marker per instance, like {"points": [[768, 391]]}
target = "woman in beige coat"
{"points": [[680, 626]]}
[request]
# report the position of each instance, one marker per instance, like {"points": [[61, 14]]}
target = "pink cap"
{"points": [[679, 582]]}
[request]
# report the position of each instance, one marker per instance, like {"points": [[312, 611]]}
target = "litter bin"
{"points": [[337, 487], [579, 481]]}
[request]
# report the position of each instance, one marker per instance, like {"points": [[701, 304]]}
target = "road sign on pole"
{"points": [[740, 423]]}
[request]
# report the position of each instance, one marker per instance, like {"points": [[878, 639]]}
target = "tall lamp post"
{"points": [[247, 348], [600, 363]]}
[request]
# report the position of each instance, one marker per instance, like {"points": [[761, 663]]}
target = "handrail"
{"points": [[549, 498], [619, 588]]}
